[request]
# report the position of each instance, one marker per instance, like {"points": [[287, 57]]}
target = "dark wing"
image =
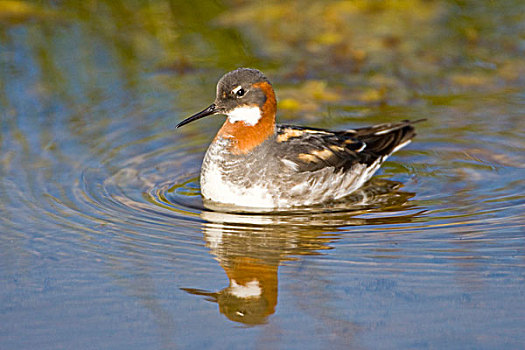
{"points": [[310, 149]]}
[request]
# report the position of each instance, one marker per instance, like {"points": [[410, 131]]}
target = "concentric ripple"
{"points": [[161, 187]]}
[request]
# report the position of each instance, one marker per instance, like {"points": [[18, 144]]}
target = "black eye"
{"points": [[240, 92]]}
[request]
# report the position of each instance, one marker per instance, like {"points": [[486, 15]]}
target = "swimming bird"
{"points": [[255, 163]]}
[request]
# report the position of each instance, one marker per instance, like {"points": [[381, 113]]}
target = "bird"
{"points": [[255, 163]]}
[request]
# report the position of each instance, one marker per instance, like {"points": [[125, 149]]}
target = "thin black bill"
{"points": [[208, 111]]}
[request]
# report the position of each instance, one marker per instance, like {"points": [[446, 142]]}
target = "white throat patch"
{"points": [[248, 115], [249, 290]]}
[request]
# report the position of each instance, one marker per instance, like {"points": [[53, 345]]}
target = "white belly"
{"points": [[215, 187]]}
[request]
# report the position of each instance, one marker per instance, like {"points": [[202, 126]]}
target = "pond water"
{"points": [[104, 242]]}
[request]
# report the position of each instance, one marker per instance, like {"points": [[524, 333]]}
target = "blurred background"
{"points": [[104, 242]]}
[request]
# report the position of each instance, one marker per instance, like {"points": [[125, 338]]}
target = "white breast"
{"points": [[216, 187]]}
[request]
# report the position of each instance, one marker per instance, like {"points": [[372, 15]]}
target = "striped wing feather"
{"points": [[311, 149]]}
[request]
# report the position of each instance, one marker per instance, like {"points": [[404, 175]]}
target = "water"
{"points": [[104, 241]]}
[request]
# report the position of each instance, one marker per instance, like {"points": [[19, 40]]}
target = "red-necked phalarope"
{"points": [[252, 162]]}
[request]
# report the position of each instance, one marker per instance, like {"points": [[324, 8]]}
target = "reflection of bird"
{"points": [[252, 162], [250, 248]]}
